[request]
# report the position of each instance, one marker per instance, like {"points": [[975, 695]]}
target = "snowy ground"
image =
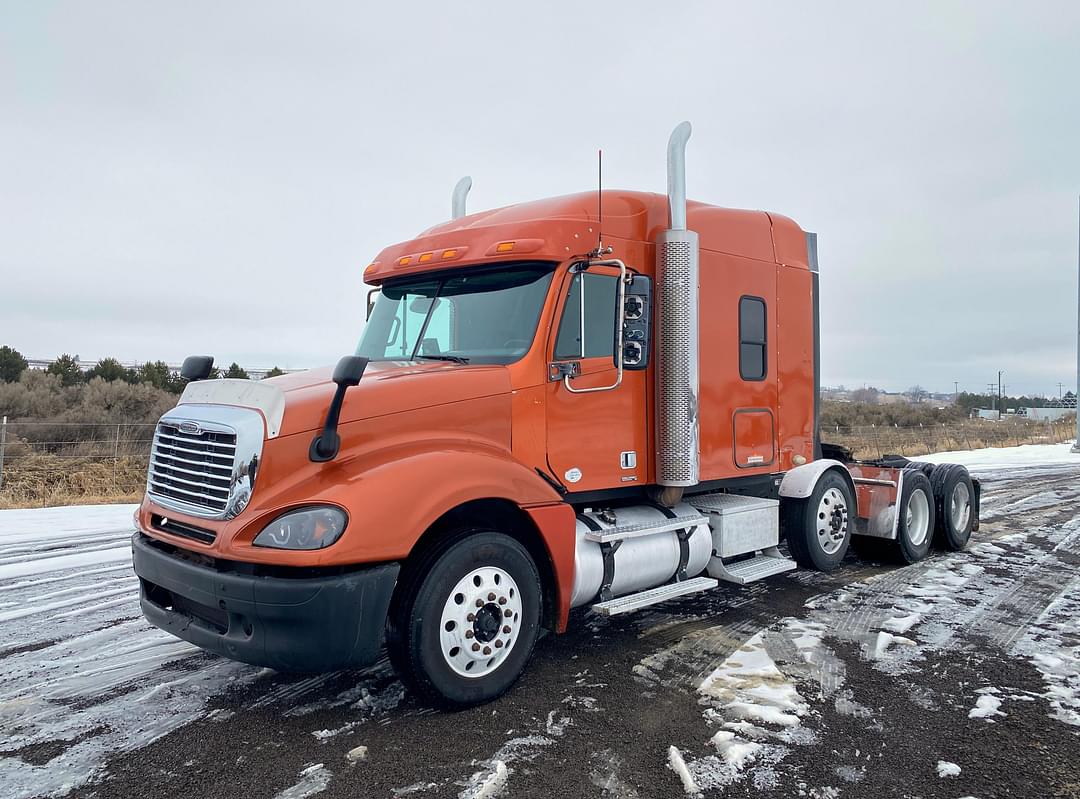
{"points": [[959, 676]]}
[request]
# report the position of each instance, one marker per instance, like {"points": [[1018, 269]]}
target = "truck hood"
{"points": [[301, 399]]}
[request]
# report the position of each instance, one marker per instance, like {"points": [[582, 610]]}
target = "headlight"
{"points": [[310, 528]]}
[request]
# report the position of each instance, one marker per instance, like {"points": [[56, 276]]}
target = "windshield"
{"points": [[477, 317]]}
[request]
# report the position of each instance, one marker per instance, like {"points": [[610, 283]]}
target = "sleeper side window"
{"points": [[587, 328], [753, 364]]}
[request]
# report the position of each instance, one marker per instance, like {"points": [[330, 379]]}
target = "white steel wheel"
{"points": [[832, 521], [960, 505], [917, 516], [480, 622]]}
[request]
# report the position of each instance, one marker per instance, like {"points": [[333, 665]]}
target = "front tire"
{"points": [[818, 528], [467, 621]]}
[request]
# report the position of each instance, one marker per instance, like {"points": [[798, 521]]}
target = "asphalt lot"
{"points": [[958, 676]]}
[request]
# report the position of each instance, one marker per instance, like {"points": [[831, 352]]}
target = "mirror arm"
{"points": [[325, 446], [618, 332]]}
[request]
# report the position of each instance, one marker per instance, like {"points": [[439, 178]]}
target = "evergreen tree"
{"points": [[235, 371], [67, 369], [12, 364], [110, 370], [275, 372]]}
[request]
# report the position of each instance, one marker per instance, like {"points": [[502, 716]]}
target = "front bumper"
{"points": [[309, 623]]}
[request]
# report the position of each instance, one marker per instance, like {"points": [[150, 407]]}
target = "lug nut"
{"points": [[498, 644], [502, 600], [476, 647], [506, 629], [471, 617], [468, 633], [479, 603], [508, 613], [487, 650], [491, 597]]}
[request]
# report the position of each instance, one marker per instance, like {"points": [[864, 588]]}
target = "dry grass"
{"points": [[38, 481], [873, 442]]}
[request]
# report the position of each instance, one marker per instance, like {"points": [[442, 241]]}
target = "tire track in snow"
{"points": [[86, 676]]}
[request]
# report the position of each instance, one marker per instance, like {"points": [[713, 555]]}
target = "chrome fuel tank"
{"points": [[642, 561]]}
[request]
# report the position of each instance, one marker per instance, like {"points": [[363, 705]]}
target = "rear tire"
{"points": [[954, 500], [818, 528], [915, 526], [467, 620]]}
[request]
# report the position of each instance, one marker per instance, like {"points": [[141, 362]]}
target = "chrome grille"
{"points": [[192, 471], [677, 361]]}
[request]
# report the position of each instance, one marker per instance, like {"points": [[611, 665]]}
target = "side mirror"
{"points": [[197, 367], [348, 372], [371, 302], [636, 324]]}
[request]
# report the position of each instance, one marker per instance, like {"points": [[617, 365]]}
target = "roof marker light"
{"points": [[446, 254], [404, 260], [505, 246], [425, 258]]}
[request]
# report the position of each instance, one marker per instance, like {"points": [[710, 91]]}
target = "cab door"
{"points": [[596, 440]]}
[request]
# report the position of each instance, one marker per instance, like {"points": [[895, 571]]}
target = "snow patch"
{"points": [[947, 769], [986, 706], [678, 765], [313, 780], [487, 785]]}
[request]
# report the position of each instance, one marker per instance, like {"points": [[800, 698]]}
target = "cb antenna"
{"points": [[600, 249]]}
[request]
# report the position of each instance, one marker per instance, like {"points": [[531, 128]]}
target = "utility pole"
{"points": [[1060, 386], [955, 390], [1000, 373], [1076, 444]]}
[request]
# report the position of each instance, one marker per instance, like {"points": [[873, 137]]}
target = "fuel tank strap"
{"points": [[607, 550], [684, 541]]}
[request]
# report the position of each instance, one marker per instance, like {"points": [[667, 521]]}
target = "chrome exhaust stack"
{"points": [[461, 193], [677, 332]]}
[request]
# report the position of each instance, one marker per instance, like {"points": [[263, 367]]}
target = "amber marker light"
{"points": [[504, 246], [447, 254], [404, 260]]}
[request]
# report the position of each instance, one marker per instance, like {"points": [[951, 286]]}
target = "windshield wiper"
{"points": [[451, 358]]}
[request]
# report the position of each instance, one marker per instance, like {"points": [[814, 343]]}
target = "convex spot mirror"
{"points": [[636, 319]]}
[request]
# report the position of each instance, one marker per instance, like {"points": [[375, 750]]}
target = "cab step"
{"points": [[633, 530], [771, 561], [642, 599]]}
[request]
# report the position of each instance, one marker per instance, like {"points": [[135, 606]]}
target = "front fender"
{"points": [[393, 500]]}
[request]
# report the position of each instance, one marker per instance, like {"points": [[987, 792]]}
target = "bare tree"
{"points": [[869, 395], [917, 393]]}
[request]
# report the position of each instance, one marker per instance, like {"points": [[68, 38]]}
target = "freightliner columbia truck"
{"points": [[535, 420]]}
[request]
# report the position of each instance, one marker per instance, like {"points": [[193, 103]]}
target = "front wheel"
{"points": [[467, 621], [818, 529]]}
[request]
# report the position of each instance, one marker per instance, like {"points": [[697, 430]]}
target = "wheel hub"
{"points": [[487, 624], [832, 521], [479, 621]]}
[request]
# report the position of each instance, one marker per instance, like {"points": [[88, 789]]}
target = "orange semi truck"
{"points": [[534, 420]]}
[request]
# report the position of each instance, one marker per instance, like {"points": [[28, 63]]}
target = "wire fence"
{"points": [[56, 463], [874, 441]]}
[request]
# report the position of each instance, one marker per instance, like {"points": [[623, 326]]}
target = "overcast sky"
{"points": [[213, 177]]}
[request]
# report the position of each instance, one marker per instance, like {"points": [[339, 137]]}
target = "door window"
{"points": [[587, 328]]}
